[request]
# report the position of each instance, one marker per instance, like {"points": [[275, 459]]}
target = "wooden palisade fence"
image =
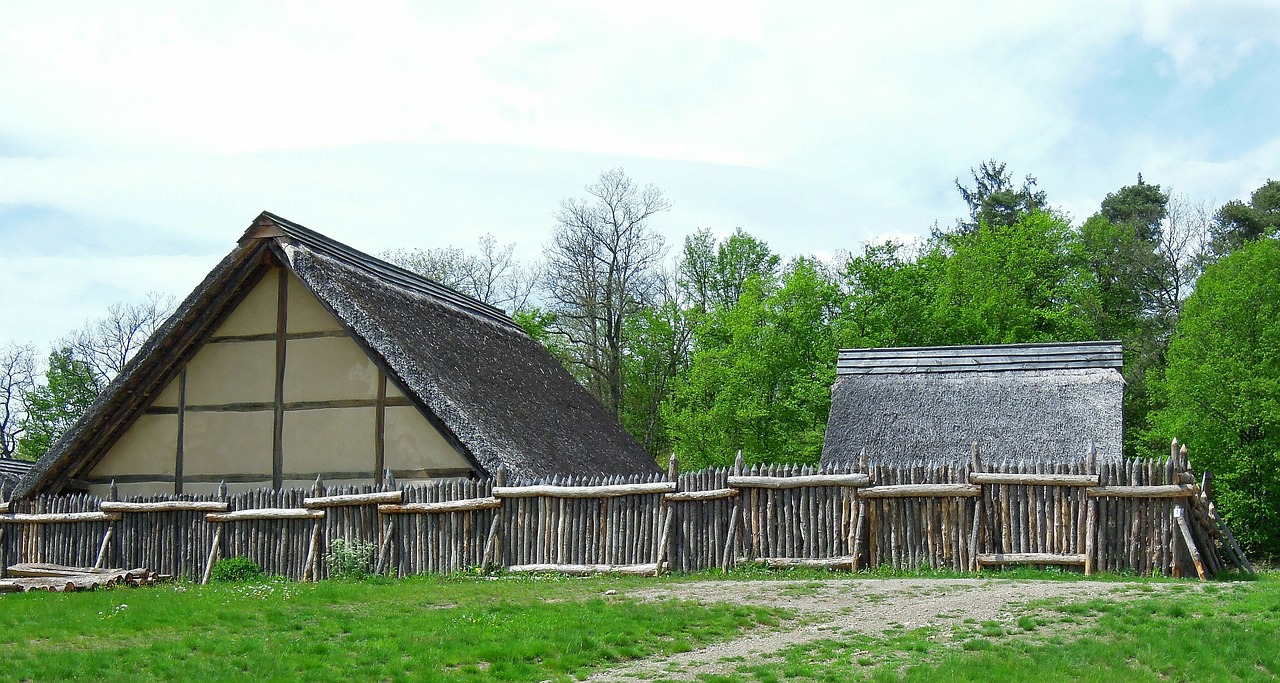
{"points": [[1140, 516]]}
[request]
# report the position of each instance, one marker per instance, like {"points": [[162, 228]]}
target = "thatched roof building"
{"points": [[1020, 402], [300, 357], [11, 471]]}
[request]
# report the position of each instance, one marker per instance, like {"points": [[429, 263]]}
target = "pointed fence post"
{"points": [[309, 568], [114, 494], [215, 548], [864, 466], [728, 559], [664, 542], [1091, 516], [979, 508], [493, 546]]}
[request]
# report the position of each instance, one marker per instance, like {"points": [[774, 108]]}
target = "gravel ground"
{"points": [[824, 609]]}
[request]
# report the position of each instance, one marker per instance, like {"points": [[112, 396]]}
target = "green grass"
{"points": [[1192, 632], [445, 629]]}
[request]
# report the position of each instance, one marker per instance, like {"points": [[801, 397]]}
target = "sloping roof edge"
{"points": [[151, 366]]}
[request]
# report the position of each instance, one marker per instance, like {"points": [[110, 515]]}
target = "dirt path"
{"points": [[824, 609]]}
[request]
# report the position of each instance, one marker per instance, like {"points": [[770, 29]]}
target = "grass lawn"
{"points": [[1226, 631], [423, 628]]}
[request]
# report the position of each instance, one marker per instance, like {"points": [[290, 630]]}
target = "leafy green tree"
{"points": [[1221, 388], [760, 376], [994, 201], [892, 292], [658, 339], [714, 274], [69, 389], [1142, 206], [1238, 223], [1015, 283]]}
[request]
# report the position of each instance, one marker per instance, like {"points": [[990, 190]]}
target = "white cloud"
{"points": [[812, 125]]}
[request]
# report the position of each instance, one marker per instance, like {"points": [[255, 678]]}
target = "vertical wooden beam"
{"points": [[380, 428], [277, 438], [182, 419]]}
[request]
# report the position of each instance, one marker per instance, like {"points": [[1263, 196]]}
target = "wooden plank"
{"points": [[354, 499], [986, 350], [842, 562], [1164, 491], [921, 491], [1032, 479], [165, 506], [1030, 558], [258, 514], [59, 517], [600, 491], [799, 481], [711, 494], [465, 505], [845, 370], [649, 569]]}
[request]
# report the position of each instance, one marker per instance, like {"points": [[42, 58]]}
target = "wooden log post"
{"points": [[860, 514], [664, 541], [215, 549], [975, 534], [385, 552], [1180, 516], [728, 557], [1090, 530]]}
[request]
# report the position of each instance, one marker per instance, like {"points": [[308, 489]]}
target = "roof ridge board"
{"points": [[977, 360], [1009, 367], [401, 276], [1016, 353], [963, 348]]}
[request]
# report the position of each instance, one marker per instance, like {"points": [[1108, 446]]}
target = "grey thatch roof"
{"points": [[494, 392], [11, 471], [1035, 403]]}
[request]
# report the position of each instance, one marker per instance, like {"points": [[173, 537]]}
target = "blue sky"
{"points": [[138, 139]]}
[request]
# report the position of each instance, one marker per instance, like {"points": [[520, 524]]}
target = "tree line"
{"points": [[718, 344]]}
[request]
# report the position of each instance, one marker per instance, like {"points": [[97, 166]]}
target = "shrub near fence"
{"points": [[1121, 517]]}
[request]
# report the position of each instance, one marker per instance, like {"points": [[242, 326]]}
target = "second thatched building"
{"points": [[1032, 403]]}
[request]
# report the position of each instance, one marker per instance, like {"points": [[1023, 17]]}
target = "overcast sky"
{"points": [[138, 140]]}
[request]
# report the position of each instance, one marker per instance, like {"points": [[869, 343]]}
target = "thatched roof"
{"points": [[1036, 403], [11, 470], [494, 392]]}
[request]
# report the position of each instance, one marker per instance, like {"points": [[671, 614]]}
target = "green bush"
{"points": [[235, 569], [350, 560]]}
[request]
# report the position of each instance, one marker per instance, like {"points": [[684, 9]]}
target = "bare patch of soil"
{"points": [[825, 609]]}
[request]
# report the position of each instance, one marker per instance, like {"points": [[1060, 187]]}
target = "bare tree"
{"points": [[17, 379], [600, 270], [449, 266], [1177, 258], [107, 343], [491, 274]]}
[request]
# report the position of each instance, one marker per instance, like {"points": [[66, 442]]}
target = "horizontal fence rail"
{"points": [[1140, 516]]}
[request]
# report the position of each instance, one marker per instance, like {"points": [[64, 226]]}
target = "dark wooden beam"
{"points": [[290, 406], [243, 478], [380, 424], [271, 336], [282, 324], [182, 418]]}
